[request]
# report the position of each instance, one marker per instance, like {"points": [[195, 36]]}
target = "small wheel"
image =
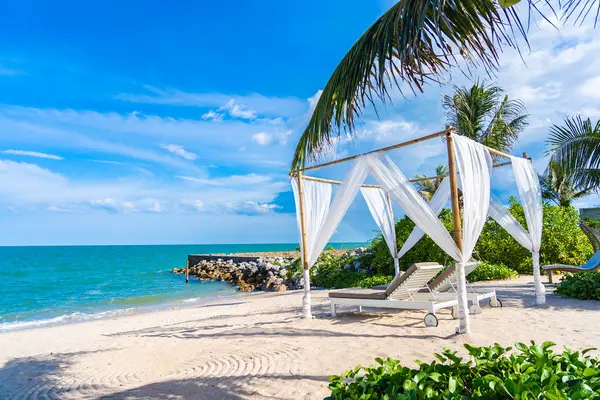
{"points": [[430, 320], [474, 309], [498, 303], [455, 312]]}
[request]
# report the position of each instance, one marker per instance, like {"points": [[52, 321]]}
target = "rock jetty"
{"points": [[266, 273]]}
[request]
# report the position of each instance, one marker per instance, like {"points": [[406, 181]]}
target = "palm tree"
{"points": [[558, 186], [576, 147], [427, 187], [417, 42], [485, 114]]}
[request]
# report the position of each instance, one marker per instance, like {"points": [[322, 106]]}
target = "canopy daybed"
{"points": [[470, 167]]}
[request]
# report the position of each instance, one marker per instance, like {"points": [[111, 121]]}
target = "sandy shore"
{"points": [[257, 346]]}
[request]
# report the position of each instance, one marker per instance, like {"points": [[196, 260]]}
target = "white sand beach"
{"points": [[258, 346]]}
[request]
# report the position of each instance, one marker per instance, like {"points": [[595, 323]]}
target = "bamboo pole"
{"points": [[463, 311], [454, 193], [306, 299], [393, 147], [428, 178], [187, 271]]}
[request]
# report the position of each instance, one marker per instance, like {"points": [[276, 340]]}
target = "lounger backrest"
{"points": [[414, 279], [593, 263], [445, 281], [399, 279]]}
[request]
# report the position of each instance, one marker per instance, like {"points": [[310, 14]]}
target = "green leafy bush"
{"points": [[583, 286], [531, 372], [563, 242], [490, 272]]}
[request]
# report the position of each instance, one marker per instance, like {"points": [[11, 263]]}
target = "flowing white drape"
{"points": [[379, 206], [474, 165], [317, 197], [500, 213], [528, 185], [437, 204], [393, 181], [323, 218], [341, 201]]}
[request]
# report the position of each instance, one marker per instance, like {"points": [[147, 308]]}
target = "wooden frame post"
{"points": [[187, 271], [463, 309], [454, 193], [306, 275]]}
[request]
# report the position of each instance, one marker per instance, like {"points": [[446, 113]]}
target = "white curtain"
{"points": [[474, 165], [378, 204], [317, 197], [323, 218], [528, 185], [500, 213], [393, 181], [342, 200], [437, 204]]}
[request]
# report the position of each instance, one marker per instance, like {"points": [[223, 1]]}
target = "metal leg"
{"points": [[359, 309], [333, 314]]}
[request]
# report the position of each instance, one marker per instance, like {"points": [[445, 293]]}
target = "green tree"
{"points": [[557, 186], [485, 114], [414, 43], [427, 187], [576, 147]]}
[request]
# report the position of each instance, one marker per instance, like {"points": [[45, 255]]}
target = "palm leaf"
{"points": [[415, 42], [576, 147]]}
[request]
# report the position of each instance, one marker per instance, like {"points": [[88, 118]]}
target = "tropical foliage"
{"points": [[529, 372], [575, 146], [416, 42], [485, 114], [558, 186], [583, 286], [491, 272], [563, 242], [427, 187]]}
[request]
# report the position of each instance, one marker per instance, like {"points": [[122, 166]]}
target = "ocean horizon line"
{"points": [[179, 244]]}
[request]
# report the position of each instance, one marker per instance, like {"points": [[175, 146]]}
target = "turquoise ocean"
{"points": [[49, 285]]}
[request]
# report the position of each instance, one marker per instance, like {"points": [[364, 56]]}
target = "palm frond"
{"points": [[576, 147], [413, 43]]}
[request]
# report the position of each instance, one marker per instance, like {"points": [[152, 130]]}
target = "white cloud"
{"points": [[262, 138], [591, 88], [263, 105], [194, 205], [113, 205], [211, 115], [232, 180], [32, 154], [238, 110], [180, 151]]}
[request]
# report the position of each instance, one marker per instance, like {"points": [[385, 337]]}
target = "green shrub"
{"points": [[583, 286], [531, 372], [563, 242], [490, 272], [374, 280]]}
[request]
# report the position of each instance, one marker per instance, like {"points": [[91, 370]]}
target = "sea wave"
{"points": [[62, 319]]}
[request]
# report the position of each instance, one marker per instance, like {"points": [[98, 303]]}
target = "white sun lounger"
{"points": [[402, 293], [445, 286], [592, 265]]}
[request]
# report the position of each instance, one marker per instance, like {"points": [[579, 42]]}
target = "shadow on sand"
{"points": [[217, 388]]}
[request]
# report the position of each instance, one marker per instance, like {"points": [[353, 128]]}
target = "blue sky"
{"points": [[136, 122]]}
